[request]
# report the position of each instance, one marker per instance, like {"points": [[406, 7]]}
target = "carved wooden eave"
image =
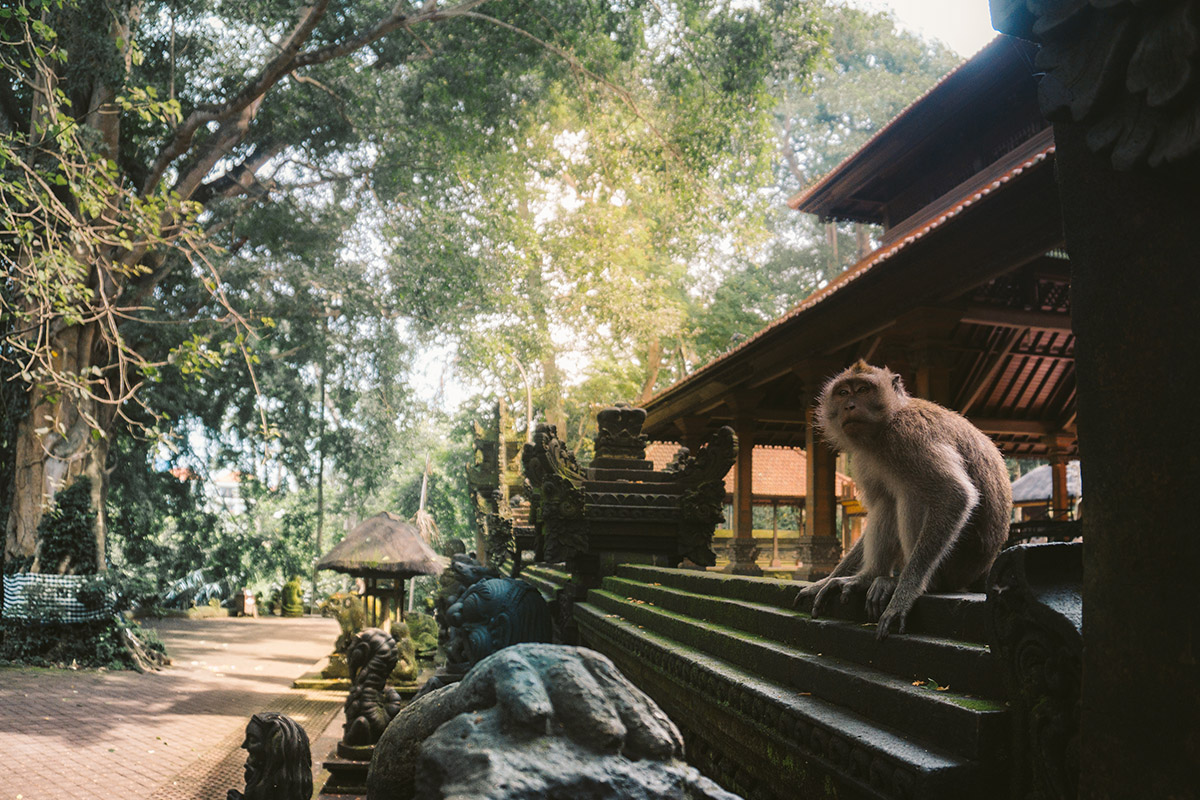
{"points": [[621, 504]]}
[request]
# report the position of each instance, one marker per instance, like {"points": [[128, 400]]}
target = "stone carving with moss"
{"points": [[278, 761], [406, 668], [536, 721], [293, 605], [371, 703]]}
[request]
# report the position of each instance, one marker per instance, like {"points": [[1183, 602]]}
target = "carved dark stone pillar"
{"points": [[1035, 612], [1122, 86]]}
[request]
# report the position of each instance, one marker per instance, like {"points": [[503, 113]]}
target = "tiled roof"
{"points": [[777, 471], [873, 260]]}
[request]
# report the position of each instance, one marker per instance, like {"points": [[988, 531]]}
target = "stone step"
{"points": [[967, 726], [768, 737], [546, 579], [958, 617], [634, 487], [966, 667]]}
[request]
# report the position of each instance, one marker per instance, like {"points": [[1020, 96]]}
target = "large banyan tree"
{"points": [[135, 134]]}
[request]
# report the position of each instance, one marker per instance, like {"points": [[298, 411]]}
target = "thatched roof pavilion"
{"points": [[384, 551]]}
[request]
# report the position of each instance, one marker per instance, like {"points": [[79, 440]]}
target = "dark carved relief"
{"points": [[620, 432], [583, 513], [556, 484], [702, 507], [371, 703], [492, 614], [1124, 69], [1035, 613], [278, 761]]}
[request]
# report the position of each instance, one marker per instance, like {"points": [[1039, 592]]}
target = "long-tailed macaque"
{"points": [[935, 487]]}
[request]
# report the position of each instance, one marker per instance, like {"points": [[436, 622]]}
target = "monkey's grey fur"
{"points": [[935, 487]]}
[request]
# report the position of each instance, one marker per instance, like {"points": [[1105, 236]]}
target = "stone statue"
{"points": [[536, 721], [371, 704], [406, 654], [278, 762], [452, 583], [492, 614], [291, 604]]}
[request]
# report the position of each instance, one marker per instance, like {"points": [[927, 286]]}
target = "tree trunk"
{"points": [[59, 440], [653, 366]]}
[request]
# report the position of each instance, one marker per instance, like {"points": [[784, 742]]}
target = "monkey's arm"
{"points": [[939, 518]]}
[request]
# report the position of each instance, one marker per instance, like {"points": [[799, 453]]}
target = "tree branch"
{"points": [[246, 99]]}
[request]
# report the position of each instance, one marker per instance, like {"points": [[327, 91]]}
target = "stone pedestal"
{"points": [[816, 557], [347, 767], [743, 554]]}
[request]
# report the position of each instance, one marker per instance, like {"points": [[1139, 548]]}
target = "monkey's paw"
{"points": [[896, 616], [846, 585], [879, 596]]}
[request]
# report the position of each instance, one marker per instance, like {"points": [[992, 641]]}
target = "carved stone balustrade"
{"points": [[1035, 619], [621, 508]]}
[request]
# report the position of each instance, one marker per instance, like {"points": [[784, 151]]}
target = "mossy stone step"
{"points": [[959, 617], [967, 726], [968, 667], [811, 744]]}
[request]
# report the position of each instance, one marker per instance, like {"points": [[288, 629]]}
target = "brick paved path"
{"points": [[171, 735]]}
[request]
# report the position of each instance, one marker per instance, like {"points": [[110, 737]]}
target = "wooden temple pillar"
{"points": [[1119, 83], [742, 550], [819, 549], [1060, 500]]}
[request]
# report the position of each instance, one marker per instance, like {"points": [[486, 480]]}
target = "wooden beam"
{"points": [[1017, 318], [1020, 427], [992, 364]]}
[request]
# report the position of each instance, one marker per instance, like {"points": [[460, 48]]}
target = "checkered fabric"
{"points": [[34, 597]]}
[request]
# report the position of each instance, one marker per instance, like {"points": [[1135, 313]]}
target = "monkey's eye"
{"points": [[862, 390], [842, 392]]}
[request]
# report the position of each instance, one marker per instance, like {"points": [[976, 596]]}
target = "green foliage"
{"points": [[424, 631], [84, 644], [66, 537]]}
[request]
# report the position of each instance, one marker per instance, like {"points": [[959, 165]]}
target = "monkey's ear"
{"points": [[898, 386]]}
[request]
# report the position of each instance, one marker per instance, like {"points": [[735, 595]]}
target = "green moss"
{"points": [[975, 703]]}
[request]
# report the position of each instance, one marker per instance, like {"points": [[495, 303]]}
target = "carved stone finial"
{"points": [[555, 485], [620, 432], [703, 502], [278, 761]]}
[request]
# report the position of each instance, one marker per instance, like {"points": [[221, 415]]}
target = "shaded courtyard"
{"points": [[91, 735]]}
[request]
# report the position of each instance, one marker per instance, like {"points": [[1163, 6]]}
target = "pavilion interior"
{"points": [[967, 295]]}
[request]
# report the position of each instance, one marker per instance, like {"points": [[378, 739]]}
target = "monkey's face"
{"points": [[856, 407], [857, 403]]}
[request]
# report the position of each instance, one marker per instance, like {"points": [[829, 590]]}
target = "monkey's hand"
{"points": [[879, 595], [896, 614], [820, 590]]}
